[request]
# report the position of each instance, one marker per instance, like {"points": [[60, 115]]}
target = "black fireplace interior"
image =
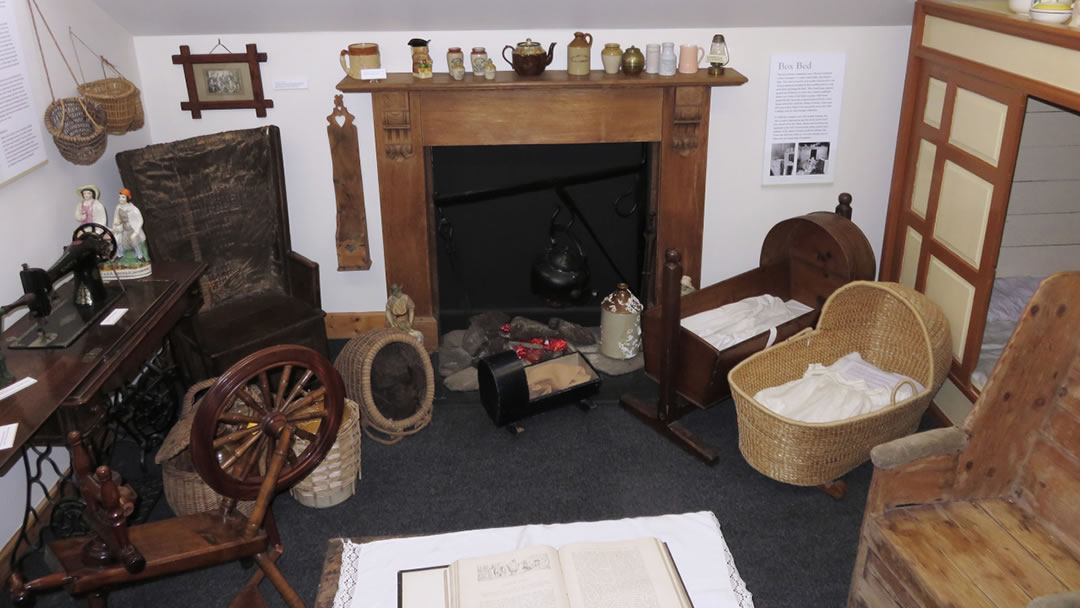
{"points": [[539, 231]]}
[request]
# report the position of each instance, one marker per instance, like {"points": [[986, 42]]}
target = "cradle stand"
{"points": [[665, 415]]}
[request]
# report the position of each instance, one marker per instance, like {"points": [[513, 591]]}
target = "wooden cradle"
{"points": [[804, 258]]}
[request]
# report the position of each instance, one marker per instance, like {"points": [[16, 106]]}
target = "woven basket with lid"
{"points": [[893, 327], [121, 101]]}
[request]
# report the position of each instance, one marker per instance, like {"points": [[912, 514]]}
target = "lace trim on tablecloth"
{"points": [[348, 574], [738, 587]]}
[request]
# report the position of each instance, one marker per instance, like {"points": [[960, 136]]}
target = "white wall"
{"points": [[739, 211], [38, 208]]}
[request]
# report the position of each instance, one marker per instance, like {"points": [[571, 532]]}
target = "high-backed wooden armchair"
{"points": [[220, 199], [988, 514], [242, 446]]}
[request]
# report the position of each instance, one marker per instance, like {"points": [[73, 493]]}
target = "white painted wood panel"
{"points": [[1041, 229], [1049, 129], [1045, 196], [1046, 163], [1037, 261]]}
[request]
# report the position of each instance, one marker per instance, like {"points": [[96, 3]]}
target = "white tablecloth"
{"points": [[368, 576]]}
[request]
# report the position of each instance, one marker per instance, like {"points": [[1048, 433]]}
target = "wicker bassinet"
{"points": [[892, 326]]}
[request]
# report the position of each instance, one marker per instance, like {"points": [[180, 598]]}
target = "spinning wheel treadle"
{"points": [[237, 426]]}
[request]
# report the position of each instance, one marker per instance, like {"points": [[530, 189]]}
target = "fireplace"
{"points": [[505, 214], [668, 114]]}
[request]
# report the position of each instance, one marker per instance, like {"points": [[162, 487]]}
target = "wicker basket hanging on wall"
{"points": [[77, 124], [389, 374], [118, 95], [77, 127]]}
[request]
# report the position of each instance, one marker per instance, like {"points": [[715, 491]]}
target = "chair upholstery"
{"points": [[220, 199], [988, 515]]}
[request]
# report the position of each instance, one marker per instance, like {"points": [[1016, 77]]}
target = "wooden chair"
{"points": [[249, 419], [988, 513], [220, 199]]}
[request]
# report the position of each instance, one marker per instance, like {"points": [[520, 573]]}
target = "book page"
{"points": [[626, 574], [527, 578]]}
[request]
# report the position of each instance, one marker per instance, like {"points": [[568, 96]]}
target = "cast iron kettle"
{"points": [[561, 274]]}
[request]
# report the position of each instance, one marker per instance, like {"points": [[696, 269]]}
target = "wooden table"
{"points": [[70, 380]]}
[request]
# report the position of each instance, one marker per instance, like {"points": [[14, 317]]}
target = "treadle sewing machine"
{"points": [[59, 322]]}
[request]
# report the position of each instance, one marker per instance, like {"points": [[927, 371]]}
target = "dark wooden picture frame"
{"points": [[223, 81]]}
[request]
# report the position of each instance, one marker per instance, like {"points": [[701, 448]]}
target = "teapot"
{"points": [[529, 58]]}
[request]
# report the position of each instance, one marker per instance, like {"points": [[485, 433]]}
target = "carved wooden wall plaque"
{"points": [[352, 234]]}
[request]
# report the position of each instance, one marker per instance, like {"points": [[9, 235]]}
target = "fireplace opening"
{"points": [[540, 231]]}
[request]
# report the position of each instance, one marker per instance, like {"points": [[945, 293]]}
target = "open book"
{"points": [[628, 574]]}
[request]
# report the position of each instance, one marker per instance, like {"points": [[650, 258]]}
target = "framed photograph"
{"points": [[223, 81]]}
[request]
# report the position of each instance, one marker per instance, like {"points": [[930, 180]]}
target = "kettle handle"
{"points": [[551, 53], [504, 54]]}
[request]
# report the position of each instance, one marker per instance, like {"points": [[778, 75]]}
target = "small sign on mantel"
{"points": [[373, 74]]}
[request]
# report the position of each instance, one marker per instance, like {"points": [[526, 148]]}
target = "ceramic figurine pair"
{"points": [[132, 257]]}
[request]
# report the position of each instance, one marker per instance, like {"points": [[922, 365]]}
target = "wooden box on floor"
{"points": [[505, 380], [804, 258]]}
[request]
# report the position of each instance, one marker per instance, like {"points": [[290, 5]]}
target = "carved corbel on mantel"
{"points": [[397, 124], [691, 103]]}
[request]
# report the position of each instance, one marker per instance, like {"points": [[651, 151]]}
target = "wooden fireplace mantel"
{"points": [[412, 115]]}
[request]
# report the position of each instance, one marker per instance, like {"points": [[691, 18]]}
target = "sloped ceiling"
{"points": [[191, 17]]}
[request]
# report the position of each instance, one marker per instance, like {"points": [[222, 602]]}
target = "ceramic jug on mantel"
{"points": [[579, 55]]}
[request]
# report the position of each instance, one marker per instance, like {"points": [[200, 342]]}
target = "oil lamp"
{"points": [[718, 55]]}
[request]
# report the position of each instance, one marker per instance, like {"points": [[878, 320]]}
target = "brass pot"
{"points": [[633, 61], [529, 58]]}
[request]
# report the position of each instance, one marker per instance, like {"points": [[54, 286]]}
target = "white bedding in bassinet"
{"points": [[732, 323], [849, 387]]}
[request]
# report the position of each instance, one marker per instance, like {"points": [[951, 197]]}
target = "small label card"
{"points": [[373, 74], [15, 387], [114, 316], [7, 435], [290, 84]]}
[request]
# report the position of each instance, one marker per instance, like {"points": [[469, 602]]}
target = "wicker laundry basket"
{"points": [[389, 374], [120, 98], [893, 327], [185, 490], [334, 480], [77, 127]]}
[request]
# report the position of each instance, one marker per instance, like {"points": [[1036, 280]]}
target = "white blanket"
{"points": [[738, 321], [849, 387], [368, 576]]}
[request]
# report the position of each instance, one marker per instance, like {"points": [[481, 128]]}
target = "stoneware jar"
{"points": [[612, 57], [633, 62], [668, 60], [454, 56], [579, 54], [652, 58], [620, 324], [477, 58]]}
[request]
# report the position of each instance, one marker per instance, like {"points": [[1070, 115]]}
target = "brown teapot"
{"points": [[529, 58]]}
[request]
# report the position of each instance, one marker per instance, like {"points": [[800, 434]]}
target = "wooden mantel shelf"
{"points": [[669, 114], [508, 79]]}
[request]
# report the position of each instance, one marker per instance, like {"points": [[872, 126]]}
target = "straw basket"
{"points": [[397, 399], [334, 480], [185, 491], [77, 126], [892, 326], [120, 99]]}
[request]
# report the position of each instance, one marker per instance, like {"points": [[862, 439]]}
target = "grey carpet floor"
{"points": [[793, 546]]}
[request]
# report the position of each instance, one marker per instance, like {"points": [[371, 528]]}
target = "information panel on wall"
{"points": [[805, 92], [21, 145]]}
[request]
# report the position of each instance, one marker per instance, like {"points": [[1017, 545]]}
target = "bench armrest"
{"points": [[920, 445], [303, 279]]}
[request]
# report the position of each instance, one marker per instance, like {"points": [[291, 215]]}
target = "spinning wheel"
{"points": [[278, 392], [107, 251]]}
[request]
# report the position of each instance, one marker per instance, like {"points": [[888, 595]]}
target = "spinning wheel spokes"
{"points": [[241, 420]]}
